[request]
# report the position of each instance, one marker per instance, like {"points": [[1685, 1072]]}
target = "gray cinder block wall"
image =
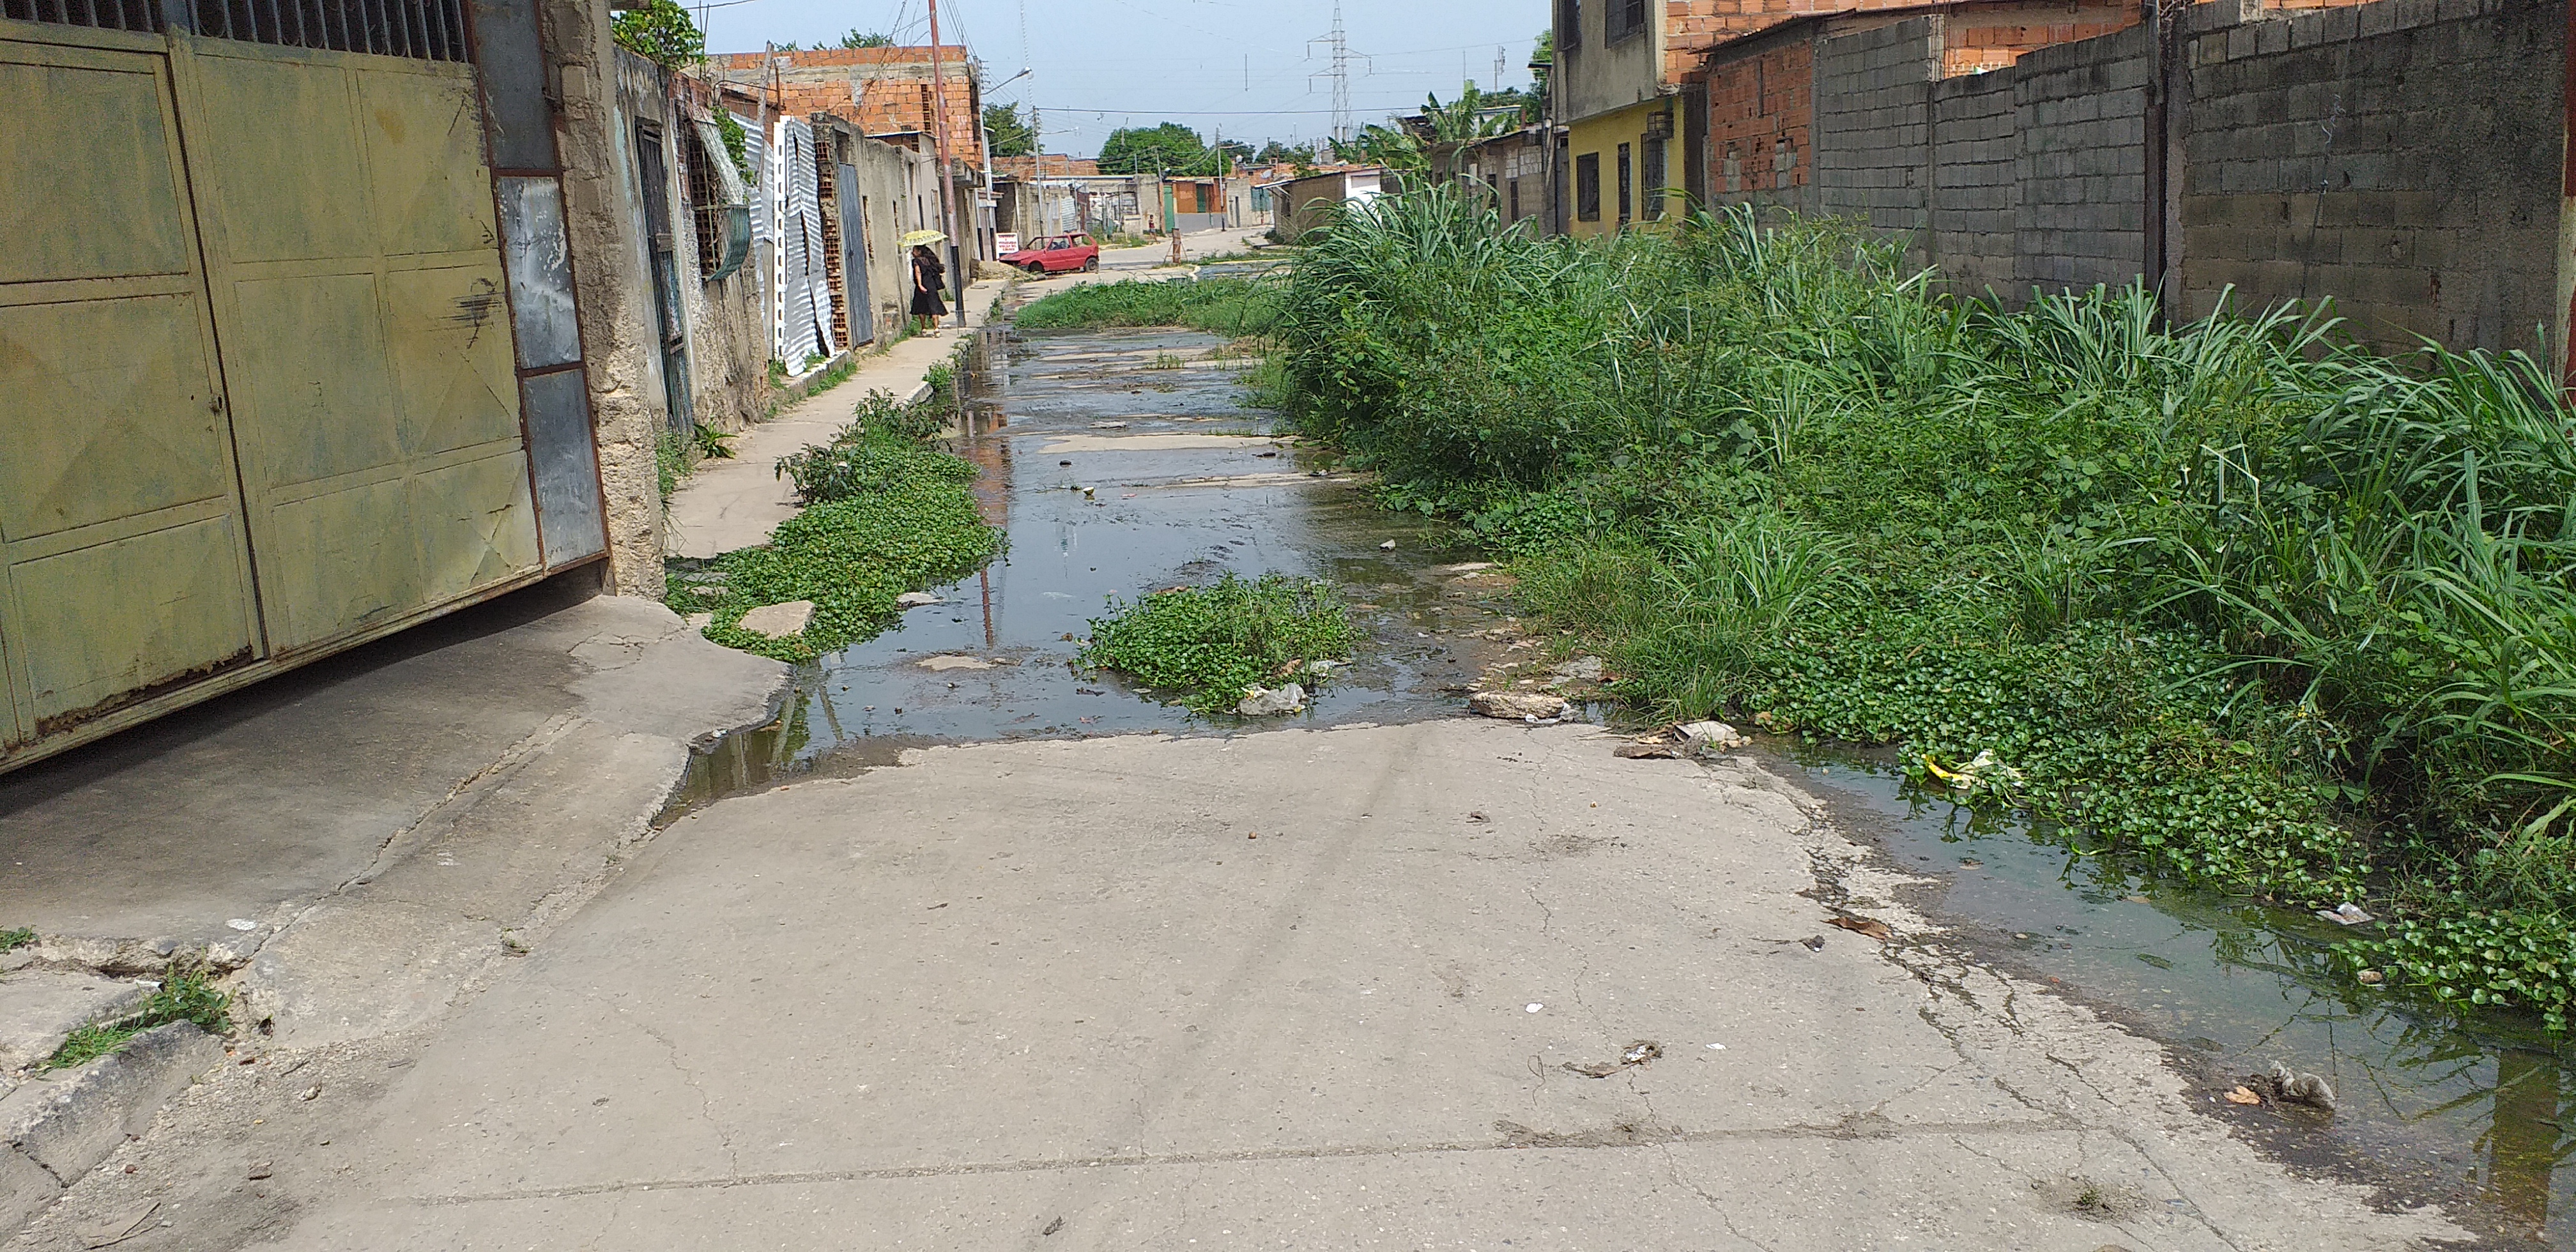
{"points": [[2401, 157], [2080, 128], [1873, 126]]}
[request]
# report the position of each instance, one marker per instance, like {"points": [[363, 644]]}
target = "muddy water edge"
{"points": [[1119, 462]]}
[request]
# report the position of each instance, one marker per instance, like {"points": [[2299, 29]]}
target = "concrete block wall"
{"points": [[2401, 157], [2080, 125], [1873, 125], [1976, 187]]}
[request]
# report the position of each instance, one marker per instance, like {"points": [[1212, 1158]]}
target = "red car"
{"points": [[1061, 254]]}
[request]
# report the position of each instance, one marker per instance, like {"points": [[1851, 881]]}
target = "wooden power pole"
{"points": [[947, 172]]}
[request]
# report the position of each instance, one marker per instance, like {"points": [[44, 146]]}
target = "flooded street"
{"points": [[1121, 462], [2467, 1114]]}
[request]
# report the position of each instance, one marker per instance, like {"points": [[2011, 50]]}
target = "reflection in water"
{"points": [[2465, 1111]]}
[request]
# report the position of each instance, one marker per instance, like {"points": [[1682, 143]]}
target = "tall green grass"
{"points": [[1234, 307], [2234, 602]]}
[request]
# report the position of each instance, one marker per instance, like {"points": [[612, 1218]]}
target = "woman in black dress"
{"points": [[929, 278]]}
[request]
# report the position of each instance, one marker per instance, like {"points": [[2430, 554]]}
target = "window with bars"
{"points": [[1626, 17], [429, 30], [1587, 187], [1654, 175], [1627, 185]]}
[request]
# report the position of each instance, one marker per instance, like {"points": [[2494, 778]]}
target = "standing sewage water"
{"points": [[2467, 1113], [1122, 462]]}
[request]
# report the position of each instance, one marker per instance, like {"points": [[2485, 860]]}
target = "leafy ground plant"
{"points": [[1202, 646], [16, 937], [185, 995], [888, 513]]}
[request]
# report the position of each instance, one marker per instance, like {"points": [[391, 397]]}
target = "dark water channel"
{"points": [[2468, 1114], [1120, 462]]}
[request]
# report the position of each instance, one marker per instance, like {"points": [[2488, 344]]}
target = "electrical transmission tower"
{"points": [[1340, 74]]}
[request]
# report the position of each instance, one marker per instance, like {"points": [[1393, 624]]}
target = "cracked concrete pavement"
{"points": [[1318, 989]]}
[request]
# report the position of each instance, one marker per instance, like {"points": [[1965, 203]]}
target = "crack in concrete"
{"points": [[1786, 1133]]}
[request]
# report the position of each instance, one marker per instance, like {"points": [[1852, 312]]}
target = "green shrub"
{"points": [[1204, 646]]}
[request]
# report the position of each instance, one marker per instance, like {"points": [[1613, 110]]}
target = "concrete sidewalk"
{"points": [[735, 503], [1459, 984], [551, 723]]}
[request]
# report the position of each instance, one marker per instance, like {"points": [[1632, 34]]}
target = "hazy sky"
{"points": [[1239, 67]]}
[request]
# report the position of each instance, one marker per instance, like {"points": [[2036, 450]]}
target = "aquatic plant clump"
{"points": [[2237, 603], [891, 515], [1205, 647], [1233, 307]]}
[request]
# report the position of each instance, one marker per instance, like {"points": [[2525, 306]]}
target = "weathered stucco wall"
{"points": [[604, 226]]}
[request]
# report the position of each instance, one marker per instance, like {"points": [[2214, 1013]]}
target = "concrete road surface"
{"points": [[1457, 984]]}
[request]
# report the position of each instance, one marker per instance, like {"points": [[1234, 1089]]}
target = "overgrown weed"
{"points": [[186, 994], [1202, 647], [2235, 603]]}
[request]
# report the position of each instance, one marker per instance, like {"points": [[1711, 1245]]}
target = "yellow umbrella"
{"points": [[914, 239]]}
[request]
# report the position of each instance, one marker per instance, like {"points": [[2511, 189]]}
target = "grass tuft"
{"points": [[185, 995], [1202, 646]]}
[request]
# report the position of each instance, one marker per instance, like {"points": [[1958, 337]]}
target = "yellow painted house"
{"points": [[1634, 126]]}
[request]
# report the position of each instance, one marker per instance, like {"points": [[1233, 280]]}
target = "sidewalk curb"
{"points": [[53, 1133]]}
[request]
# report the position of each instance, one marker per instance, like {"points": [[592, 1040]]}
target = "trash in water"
{"points": [[914, 599], [1259, 701], [2347, 914], [1388, 546], [2241, 1095], [2295, 1088]]}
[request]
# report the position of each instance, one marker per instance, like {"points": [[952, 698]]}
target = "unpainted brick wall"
{"points": [[1761, 143], [2401, 157], [1873, 127], [2079, 118]]}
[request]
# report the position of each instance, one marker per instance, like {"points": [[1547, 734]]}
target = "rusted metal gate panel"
{"points": [[259, 389], [126, 564], [356, 274]]}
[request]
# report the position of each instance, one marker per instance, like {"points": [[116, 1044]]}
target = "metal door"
{"points": [[258, 387], [357, 284], [854, 258], [124, 562], [655, 176]]}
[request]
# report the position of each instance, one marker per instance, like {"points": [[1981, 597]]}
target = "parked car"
{"points": [[1057, 255]]}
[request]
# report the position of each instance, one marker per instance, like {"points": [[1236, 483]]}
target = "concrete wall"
{"points": [[2079, 119], [1873, 127], [603, 222], [1976, 182], [2401, 157]]}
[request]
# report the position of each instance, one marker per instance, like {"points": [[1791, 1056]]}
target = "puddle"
{"points": [[2467, 1115], [1121, 462]]}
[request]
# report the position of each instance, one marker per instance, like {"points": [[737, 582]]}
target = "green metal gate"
{"points": [[258, 392]]}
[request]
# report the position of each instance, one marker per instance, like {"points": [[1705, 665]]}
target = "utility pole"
{"points": [[947, 172], [1341, 76]]}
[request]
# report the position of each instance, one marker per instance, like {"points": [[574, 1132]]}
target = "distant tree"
{"points": [[1011, 134], [1168, 147], [867, 39], [1391, 146], [1277, 153], [1542, 64], [662, 33], [1236, 152], [787, 47]]}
